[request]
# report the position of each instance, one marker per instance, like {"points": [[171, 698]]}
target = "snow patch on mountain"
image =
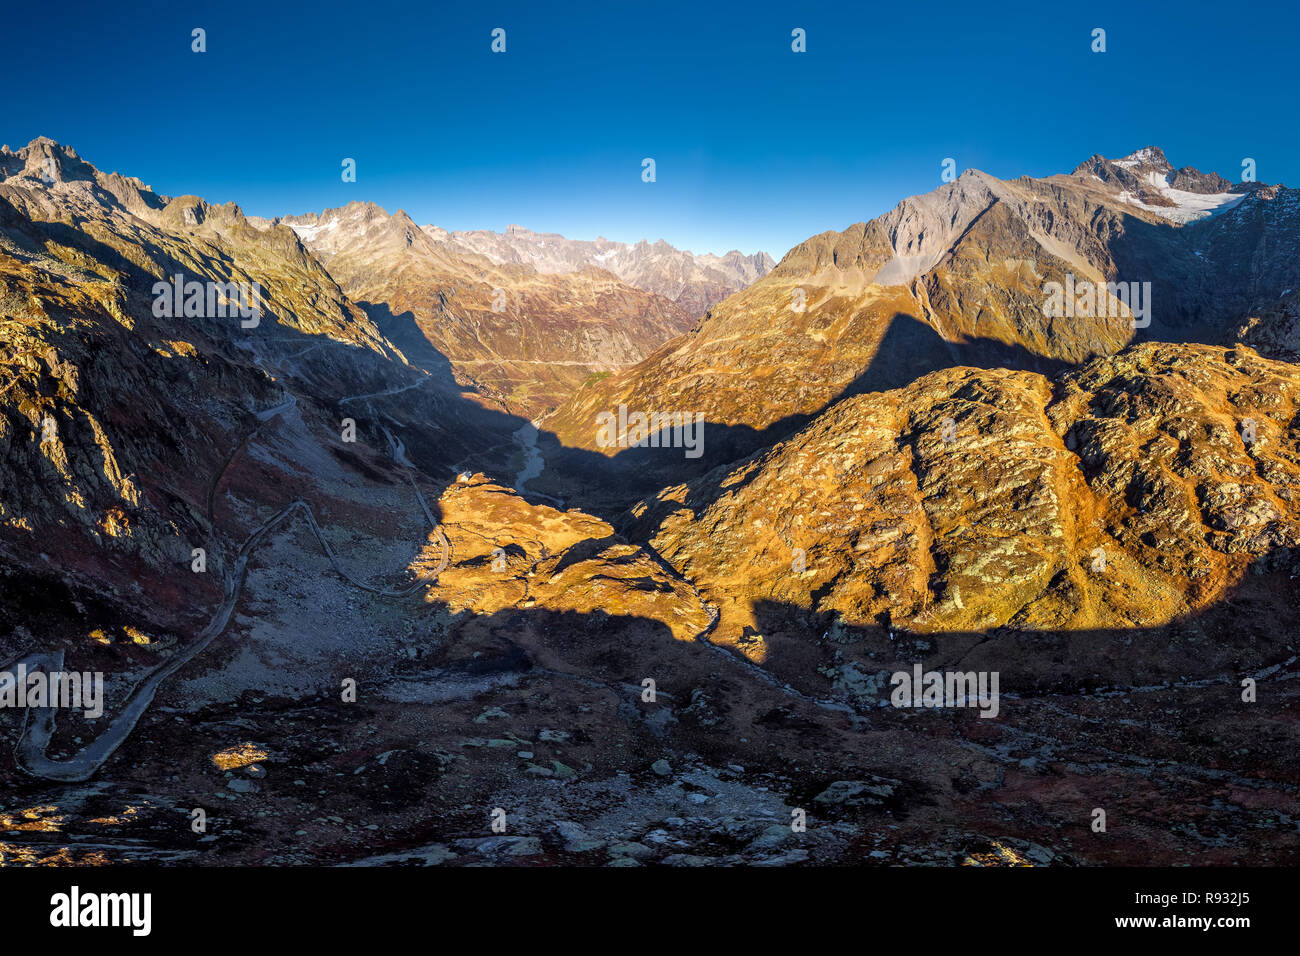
{"points": [[1187, 207], [309, 231], [695, 282]]}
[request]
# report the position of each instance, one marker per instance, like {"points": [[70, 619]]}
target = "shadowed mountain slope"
{"points": [[971, 263]]}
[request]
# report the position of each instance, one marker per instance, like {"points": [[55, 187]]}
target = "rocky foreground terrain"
{"points": [[407, 632]]}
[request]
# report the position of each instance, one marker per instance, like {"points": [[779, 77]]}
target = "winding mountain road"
{"points": [[39, 723]]}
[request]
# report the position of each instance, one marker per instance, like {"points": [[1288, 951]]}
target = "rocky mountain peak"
{"points": [[1146, 178], [1148, 157], [47, 160], [958, 276], [694, 281], [903, 462]]}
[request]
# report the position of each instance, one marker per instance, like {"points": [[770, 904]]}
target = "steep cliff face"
{"points": [[111, 415], [1274, 330], [120, 407]]}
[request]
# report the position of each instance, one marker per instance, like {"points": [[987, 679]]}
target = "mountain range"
{"points": [[695, 282], [959, 276], [524, 337], [368, 569]]}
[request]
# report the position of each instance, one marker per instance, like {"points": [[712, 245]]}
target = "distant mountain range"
{"points": [[694, 282], [525, 337], [908, 459]]}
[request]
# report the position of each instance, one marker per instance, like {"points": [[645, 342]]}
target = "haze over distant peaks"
{"points": [[694, 282], [524, 336]]}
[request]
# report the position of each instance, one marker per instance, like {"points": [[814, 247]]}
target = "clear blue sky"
{"points": [[756, 147]]}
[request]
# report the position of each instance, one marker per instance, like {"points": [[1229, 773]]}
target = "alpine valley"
{"points": [[365, 569]]}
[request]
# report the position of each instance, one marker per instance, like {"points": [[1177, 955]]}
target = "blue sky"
{"points": [[756, 147]]}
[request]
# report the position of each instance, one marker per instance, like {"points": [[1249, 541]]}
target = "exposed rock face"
{"points": [[129, 234], [1134, 491], [524, 337], [1274, 331], [1147, 177], [113, 418], [694, 282], [673, 684], [960, 276], [512, 554]]}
